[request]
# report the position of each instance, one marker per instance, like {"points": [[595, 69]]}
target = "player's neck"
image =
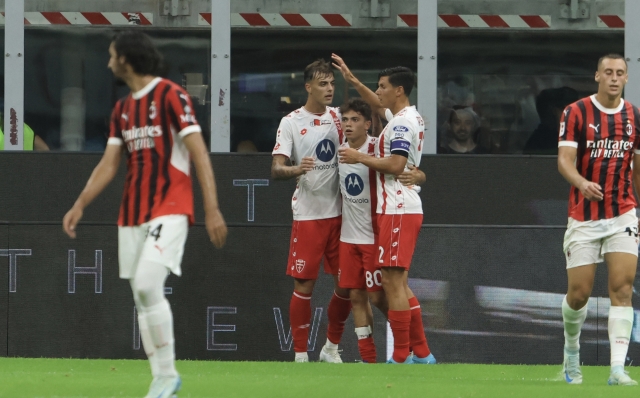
{"points": [[608, 101], [399, 105], [357, 144], [314, 107], [138, 82]]}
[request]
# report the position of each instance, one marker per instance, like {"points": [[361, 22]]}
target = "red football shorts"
{"points": [[358, 269], [397, 236], [310, 241]]}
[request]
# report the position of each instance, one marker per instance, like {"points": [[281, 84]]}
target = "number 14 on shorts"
{"points": [[155, 233]]}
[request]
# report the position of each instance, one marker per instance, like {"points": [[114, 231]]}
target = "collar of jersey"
{"points": [[609, 111], [146, 89], [314, 114]]}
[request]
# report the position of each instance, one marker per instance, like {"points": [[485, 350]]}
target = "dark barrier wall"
{"points": [[485, 190], [490, 293]]}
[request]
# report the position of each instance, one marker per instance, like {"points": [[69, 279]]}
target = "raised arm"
{"points": [[365, 92], [101, 176], [566, 166], [214, 222]]}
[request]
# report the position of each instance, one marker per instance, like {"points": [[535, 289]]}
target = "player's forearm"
{"points": [[392, 165], [636, 181], [367, 95], [568, 170], [207, 180], [100, 178], [283, 172]]}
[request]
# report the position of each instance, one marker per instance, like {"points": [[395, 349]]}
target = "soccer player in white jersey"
{"points": [[358, 271], [399, 207], [309, 137]]}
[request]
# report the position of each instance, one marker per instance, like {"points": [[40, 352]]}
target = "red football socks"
{"points": [[299, 319], [367, 349], [338, 312], [417, 336], [400, 323]]}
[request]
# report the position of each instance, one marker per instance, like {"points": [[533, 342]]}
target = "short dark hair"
{"points": [[357, 105], [139, 51], [612, 56], [319, 68], [400, 76]]}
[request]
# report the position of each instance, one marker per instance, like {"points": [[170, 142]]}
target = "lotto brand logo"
{"points": [[354, 184], [299, 265], [326, 150]]}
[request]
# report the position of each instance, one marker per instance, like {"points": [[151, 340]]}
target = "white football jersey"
{"points": [[358, 186], [305, 134], [403, 135]]}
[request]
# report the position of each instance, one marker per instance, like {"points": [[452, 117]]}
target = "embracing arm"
{"points": [[281, 171], [393, 164]]}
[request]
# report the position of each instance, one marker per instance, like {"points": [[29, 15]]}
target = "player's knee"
{"points": [[378, 300], [145, 292], [621, 292], [578, 297], [358, 297]]}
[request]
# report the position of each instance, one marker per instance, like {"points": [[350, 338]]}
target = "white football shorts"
{"points": [[160, 240], [586, 242]]}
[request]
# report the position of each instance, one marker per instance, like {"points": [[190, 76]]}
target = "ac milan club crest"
{"points": [[629, 128]]}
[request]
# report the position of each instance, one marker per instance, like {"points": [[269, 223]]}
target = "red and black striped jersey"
{"points": [[151, 124], [606, 140]]}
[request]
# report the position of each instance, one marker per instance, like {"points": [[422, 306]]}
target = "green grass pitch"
{"points": [[75, 378]]}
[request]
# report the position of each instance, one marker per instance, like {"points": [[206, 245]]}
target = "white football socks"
{"points": [[147, 343], [620, 324], [330, 346], [363, 332], [160, 323], [573, 321]]}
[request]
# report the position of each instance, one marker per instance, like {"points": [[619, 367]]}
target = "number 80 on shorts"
{"points": [[373, 279]]}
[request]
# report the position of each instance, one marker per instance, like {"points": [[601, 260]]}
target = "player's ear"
{"points": [[307, 86], [597, 77], [367, 125]]}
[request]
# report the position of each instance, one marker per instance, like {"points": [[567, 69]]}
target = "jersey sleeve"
{"points": [[401, 133], [570, 127], [284, 139], [115, 131], [636, 128], [180, 111]]}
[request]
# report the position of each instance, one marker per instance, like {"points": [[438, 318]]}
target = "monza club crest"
{"points": [[299, 265]]}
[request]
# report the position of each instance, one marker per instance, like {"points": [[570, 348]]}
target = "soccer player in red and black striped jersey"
{"points": [[156, 129], [599, 136]]}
